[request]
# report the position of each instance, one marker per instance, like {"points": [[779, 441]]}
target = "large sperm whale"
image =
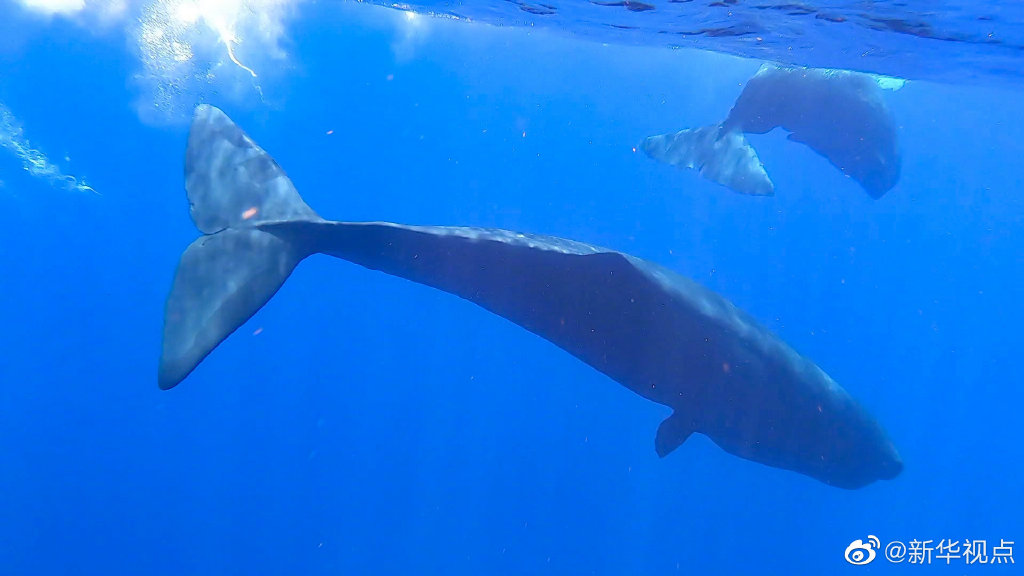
{"points": [[655, 332], [840, 115]]}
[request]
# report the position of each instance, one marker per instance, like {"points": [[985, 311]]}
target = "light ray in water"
{"points": [[189, 47], [33, 160], [231, 54], [221, 17]]}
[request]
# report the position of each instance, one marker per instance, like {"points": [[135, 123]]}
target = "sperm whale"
{"points": [[840, 115], [657, 333]]}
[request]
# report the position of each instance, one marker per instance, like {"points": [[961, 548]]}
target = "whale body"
{"points": [[841, 115], [657, 333]]}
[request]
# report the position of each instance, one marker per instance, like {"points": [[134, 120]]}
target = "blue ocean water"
{"points": [[363, 424]]}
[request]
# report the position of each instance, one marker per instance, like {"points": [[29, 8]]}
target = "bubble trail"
{"points": [[33, 160]]}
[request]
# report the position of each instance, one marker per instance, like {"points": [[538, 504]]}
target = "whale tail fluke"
{"points": [[720, 155], [230, 272]]}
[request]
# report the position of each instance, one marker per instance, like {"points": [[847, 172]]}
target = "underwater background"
{"points": [[363, 424]]}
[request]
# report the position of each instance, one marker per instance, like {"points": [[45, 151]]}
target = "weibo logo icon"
{"points": [[860, 553]]}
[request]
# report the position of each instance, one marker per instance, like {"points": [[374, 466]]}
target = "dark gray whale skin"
{"points": [[655, 332], [840, 115]]}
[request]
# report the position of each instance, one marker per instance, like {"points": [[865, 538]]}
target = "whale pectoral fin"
{"points": [[672, 432]]}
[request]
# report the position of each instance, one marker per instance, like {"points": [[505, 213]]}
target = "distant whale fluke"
{"points": [[840, 115], [659, 334], [718, 155]]}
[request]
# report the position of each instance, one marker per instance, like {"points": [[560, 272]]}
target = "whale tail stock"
{"points": [[227, 274]]}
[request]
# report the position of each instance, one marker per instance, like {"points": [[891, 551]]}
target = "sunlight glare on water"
{"points": [[188, 47]]}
